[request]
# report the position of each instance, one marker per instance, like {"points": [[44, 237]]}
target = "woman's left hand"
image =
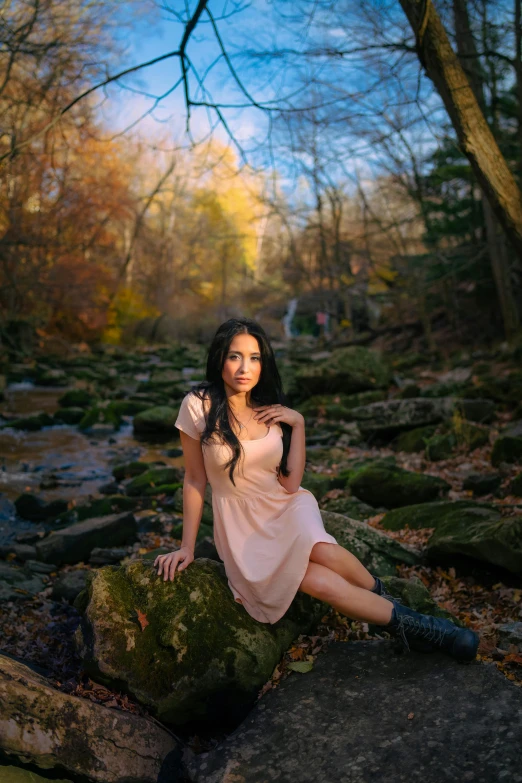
{"points": [[272, 414]]}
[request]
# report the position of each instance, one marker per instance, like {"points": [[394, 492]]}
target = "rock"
{"points": [[70, 584], [510, 633], [100, 507], [18, 583], [388, 418], [337, 406], [207, 517], [153, 478], [208, 656], [377, 551], [414, 440], [75, 543], [515, 487], [44, 726], [11, 774], [392, 487], [100, 556], [130, 470], [76, 398], [350, 507], [438, 722], [156, 421], [508, 449], [412, 592], [481, 484], [52, 377], [29, 423], [68, 416], [24, 551], [319, 483], [349, 370], [102, 414], [34, 508], [475, 530]]}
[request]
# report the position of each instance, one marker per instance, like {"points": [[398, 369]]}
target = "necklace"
{"points": [[244, 425]]}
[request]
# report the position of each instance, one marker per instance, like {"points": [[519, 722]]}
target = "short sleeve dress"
{"points": [[263, 533]]}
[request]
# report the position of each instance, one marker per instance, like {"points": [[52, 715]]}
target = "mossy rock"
{"points": [[506, 449], [392, 487], [76, 398], [30, 423], [156, 421], [153, 478], [413, 593], [130, 470], [413, 440], [349, 370], [409, 391], [440, 447], [164, 489], [462, 527], [482, 484], [350, 507], [515, 487], [378, 552], [100, 414], [34, 508], [319, 483], [97, 508], [338, 406], [12, 774], [199, 656], [70, 416], [355, 466], [207, 517], [128, 407]]}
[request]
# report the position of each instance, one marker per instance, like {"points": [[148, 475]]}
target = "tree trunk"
{"points": [[476, 140], [500, 262]]}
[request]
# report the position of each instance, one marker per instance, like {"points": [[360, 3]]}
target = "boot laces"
{"points": [[431, 634]]}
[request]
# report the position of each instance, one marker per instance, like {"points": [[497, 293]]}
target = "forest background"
{"points": [[185, 164]]}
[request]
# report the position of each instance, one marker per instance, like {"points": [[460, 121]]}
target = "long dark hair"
{"points": [[267, 391]]}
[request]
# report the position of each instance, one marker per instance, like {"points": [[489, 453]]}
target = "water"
{"points": [[69, 463]]}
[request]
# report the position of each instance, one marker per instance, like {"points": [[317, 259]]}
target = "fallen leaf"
{"points": [[142, 619]]}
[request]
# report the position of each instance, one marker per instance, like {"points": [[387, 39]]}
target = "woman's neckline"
{"points": [[254, 440]]}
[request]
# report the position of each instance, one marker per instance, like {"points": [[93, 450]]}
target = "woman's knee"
{"points": [[319, 581]]}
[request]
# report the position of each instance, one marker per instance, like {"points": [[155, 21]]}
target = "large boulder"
{"points": [[349, 370], [74, 544], [377, 551], [366, 714], [388, 418], [44, 726], [183, 648], [392, 487], [464, 527]]}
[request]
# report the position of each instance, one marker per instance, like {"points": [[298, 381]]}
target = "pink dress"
{"points": [[263, 533]]}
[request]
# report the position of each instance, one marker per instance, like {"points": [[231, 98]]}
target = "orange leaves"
{"points": [[142, 619]]}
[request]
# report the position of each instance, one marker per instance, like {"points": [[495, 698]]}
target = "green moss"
{"points": [[152, 479], [392, 487], [506, 449]]}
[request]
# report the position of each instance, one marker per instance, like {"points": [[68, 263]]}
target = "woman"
{"points": [[237, 433]]}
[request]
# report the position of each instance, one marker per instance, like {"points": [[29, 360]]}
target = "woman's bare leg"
{"points": [[355, 602], [343, 562]]}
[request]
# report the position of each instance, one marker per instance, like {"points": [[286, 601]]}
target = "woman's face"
{"points": [[243, 361]]}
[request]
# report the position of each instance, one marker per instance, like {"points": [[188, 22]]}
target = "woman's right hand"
{"points": [[167, 564]]}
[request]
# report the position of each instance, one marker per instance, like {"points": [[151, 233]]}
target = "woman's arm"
{"points": [[272, 414], [194, 485]]}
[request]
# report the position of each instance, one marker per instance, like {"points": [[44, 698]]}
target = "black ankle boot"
{"points": [[426, 633], [380, 589]]}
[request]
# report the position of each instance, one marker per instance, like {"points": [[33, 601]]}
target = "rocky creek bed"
{"points": [[417, 470]]}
